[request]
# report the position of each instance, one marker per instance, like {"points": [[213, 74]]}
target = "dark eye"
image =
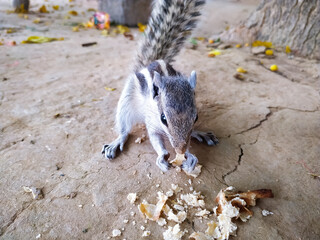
{"points": [[164, 119], [196, 119]]}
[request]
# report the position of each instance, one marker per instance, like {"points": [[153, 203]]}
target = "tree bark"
{"points": [[293, 23]]}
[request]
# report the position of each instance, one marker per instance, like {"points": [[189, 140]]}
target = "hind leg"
{"points": [[126, 117]]}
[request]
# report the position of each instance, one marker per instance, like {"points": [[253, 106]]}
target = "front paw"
{"points": [[190, 163], [162, 163]]}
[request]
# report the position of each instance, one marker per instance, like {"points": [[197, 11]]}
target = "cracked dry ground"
{"points": [[56, 115]]}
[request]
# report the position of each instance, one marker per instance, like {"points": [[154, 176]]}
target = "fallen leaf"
{"points": [[142, 27], [274, 68], [40, 39], [288, 50], [73, 13], [75, 29], [56, 7], [37, 20], [269, 52], [43, 9], [261, 43], [109, 89], [241, 70]]}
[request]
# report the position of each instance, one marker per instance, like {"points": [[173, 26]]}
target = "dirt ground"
{"points": [[56, 115]]}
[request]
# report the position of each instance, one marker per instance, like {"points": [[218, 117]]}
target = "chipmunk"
{"points": [[155, 93]]}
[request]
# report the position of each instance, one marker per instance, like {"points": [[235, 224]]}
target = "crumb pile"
{"points": [[174, 206]]}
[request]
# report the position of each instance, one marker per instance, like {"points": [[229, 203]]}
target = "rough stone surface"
{"points": [[56, 115], [128, 12]]}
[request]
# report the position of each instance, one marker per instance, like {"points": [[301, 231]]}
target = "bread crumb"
{"points": [[132, 197], [179, 217], [116, 233], [266, 213], [146, 233], [125, 221], [173, 233], [162, 221]]}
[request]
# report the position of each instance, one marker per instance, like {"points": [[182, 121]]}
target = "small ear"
{"points": [[193, 79], [156, 79], [156, 83]]}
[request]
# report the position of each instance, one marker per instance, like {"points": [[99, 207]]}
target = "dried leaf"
{"points": [[40, 39], [142, 27], [73, 13], [109, 89], [43, 9]]}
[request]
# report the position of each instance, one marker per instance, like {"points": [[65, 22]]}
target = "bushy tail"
{"points": [[170, 23]]}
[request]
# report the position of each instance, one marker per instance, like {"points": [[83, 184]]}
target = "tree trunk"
{"points": [[293, 23]]}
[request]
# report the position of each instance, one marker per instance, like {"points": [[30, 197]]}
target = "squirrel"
{"points": [[156, 94]]}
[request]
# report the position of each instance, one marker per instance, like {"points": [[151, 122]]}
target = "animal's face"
{"points": [[176, 108]]}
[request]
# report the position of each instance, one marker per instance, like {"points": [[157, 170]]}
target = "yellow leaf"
{"points": [[288, 50], [75, 29], [74, 13], [274, 68], [122, 29], [210, 41], [241, 70], [200, 38], [56, 7], [246, 45], [269, 52], [261, 43], [109, 88], [43, 9], [105, 33], [37, 20], [142, 27], [91, 10], [215, 52], [9, 30], [40, 39], [238, 46]]}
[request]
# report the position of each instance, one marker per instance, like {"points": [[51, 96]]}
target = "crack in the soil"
{"points": [[13, 219], [258, 124], [236, 167]]}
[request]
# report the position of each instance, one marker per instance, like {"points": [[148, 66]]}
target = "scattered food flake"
{"points": [[141, 139], [38, 236], [146, 233], [36, 192], [173, 233], [192, 200], [132, 214], [149, 176], [125, 221], [198, 236], [274, 68], [80, 205], [162, 221], [196, 171], [178, 218], [133, 223], [142, 228], [116, 233], [189, 181], [152, 211], [176, 188], [178, 207], [169, 193], [241, 70], [158, 185], [266, 213], [178, 160], [202, 213], [132, 197]]}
